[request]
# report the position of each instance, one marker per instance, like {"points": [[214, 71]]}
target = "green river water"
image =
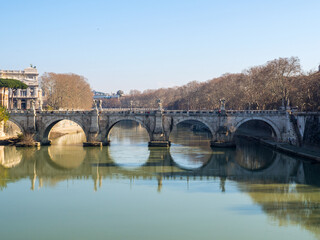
{"points": [[130, 191]]}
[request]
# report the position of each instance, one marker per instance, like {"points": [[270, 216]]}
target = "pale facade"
{"points": [[24, 98], [4, 97]]}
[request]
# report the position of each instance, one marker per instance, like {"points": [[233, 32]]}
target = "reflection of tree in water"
{"points": [[253, 156], [4, 175], [288, 204]]}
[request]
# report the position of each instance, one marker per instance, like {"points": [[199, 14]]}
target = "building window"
{"points": [[23, 104]]}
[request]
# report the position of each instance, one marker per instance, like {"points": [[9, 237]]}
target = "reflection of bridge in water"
{"points": [[264, 178], [54, 164]]}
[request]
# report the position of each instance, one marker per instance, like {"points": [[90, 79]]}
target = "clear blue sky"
{"points": [[142, 44]]}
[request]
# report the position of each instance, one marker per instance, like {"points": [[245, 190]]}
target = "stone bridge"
{"points": [[223, 125]]}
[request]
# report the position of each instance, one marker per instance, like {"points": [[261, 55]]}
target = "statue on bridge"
{"points": [[159, 104], [222, 105], [100, 104]]}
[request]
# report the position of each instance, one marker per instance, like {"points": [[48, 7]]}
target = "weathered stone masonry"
{"points": [[97, 124]]}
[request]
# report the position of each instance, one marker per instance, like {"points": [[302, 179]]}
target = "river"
{"points": [[130, 191]]}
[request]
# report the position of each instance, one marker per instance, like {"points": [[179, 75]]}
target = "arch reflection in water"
{"points": [[129, 141], [253, 156], [9, 157], [189, 157], [133, 156], [66, 157], [190, 145]]}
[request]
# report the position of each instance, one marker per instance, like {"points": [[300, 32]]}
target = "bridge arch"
{"points": [[193, 119], [275, 130], [47, 128], [112, 123], [18, 125]]}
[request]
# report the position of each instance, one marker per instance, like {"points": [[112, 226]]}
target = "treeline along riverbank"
{"points": [[269, 86]]}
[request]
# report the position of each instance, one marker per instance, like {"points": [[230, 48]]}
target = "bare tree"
{"points": [[66, 91], [278, 73], [259, 87]]}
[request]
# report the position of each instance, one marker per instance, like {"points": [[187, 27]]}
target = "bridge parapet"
{"points": [[228, 112], [20, 111], [127, 109], [185, 112], [256, 113], [306, 113], [63, 112], [128, 112]]}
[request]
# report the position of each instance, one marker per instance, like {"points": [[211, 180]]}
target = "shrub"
{"points": [[27, 139]]}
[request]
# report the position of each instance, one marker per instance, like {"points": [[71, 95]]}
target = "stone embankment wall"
{"points": [[312, 131]]}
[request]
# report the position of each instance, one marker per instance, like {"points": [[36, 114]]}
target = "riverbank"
{"points": [[303, 152], [57, 131], [7, 141]]}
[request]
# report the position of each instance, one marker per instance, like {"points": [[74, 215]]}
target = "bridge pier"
{"points": [[158, 137], [92, 144], [93, 139], [221, 144], [45, 142], [223, 138], [159, 143], [106, 143]]}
